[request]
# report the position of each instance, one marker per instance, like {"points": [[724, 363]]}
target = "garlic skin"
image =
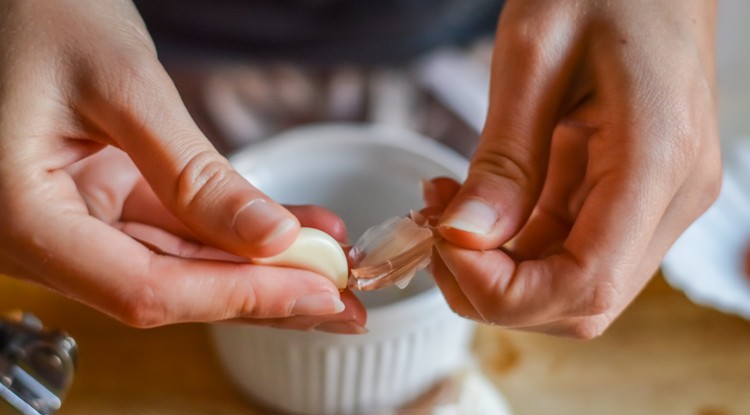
{"points": [[315, 251], [390, 254]]}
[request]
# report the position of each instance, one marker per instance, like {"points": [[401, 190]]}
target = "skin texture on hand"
{"points": [[600, 148], [100, 161]]}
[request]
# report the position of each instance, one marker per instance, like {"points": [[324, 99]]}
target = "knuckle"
{"points": [[522, 40], [500, 163], [601, 299], [588, 328], [712, 188], [710, 185], [599, 293], [584, 331], [464, 312], [246, 300], [690, 146], [103, 203], [206, 173], [698, 171], [141, 307]]}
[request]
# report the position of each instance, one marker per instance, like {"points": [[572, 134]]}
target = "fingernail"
{"points": [[318, 305], [473, 216], [342, 327], [250, 219]]}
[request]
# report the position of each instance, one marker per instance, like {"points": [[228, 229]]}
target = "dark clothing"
{"points": [[322, 31]]}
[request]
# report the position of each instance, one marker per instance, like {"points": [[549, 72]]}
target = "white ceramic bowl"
{"points": [[365, 174]]}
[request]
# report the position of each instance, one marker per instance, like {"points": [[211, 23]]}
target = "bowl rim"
{"points": [[344, 134]]}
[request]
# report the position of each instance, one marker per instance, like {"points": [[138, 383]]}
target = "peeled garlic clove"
{"points": [[315, 251]]}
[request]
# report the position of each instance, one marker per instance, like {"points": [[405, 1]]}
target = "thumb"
{"points": [[508, 170], [151, 124]]}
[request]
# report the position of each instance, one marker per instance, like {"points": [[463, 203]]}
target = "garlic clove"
{"points": [[315, 251]]}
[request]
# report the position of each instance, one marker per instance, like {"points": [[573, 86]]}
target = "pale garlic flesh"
{"points": [[315, 251]]}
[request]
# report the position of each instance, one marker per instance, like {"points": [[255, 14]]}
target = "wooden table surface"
{"points": [[665, 355]]}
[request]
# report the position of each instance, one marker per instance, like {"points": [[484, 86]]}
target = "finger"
{"points": [[582, 328], [166, 243], [452, 291], [110, 271], [104, 181], [190, 290], [143, 206], [149, 122], [114, 190], [439, 191], [579, 328], [515, 295], [561, 198], [531, 71], [350, 321], [437, 194], [320, 218]]}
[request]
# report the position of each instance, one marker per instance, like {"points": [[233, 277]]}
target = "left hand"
{"points": [[133, 208], [600, 148]]}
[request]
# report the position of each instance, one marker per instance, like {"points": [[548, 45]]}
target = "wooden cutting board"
{"points": [[665, 355]]}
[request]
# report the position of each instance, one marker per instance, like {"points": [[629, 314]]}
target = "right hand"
{"points": [[601, 147], [81, 76]]}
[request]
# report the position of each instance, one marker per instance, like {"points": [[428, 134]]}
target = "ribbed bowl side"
{"points": [[321, 374]]}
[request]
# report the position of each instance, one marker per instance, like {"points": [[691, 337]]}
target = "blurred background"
{"points": [[733, 63], [665, 355]]}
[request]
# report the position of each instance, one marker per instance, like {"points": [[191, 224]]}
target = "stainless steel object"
{"points": [[36, 365]]}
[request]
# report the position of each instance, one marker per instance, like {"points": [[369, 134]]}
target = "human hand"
{"points": [[79, 79], [600, 148]]}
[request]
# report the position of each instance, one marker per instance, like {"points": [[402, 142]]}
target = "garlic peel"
{"points": [[390, 254], [315, 251]]}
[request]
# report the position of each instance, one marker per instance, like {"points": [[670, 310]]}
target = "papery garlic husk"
{"points": [[390, 254]]}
